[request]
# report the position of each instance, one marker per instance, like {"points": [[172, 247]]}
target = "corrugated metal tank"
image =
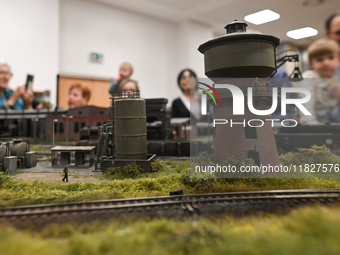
{"points": [[130, 129]]}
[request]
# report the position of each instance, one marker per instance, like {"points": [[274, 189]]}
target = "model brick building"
{"points": [[87, 116]]}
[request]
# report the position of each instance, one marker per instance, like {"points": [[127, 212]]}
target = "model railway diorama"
{"points": [[136, 130], [35, 126], [139, 128]]}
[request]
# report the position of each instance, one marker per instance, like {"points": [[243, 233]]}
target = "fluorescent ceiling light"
{"points": [[261, 17], [302, 33]]}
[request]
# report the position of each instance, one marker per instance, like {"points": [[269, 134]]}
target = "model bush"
{"points": [[314, 155], [157, 166], [129, 171], [132, 171]]}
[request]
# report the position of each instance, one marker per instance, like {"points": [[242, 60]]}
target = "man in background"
{"points": [[332, 27], [332, 31], [65, 171], [13, 99]]}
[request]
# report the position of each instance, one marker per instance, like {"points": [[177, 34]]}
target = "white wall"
{"points": [[30, 41], [154, 47], [47, 37], [147, 43], [191, 36]]}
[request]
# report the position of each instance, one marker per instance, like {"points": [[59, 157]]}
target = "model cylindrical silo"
{"points": [[130, 129]]}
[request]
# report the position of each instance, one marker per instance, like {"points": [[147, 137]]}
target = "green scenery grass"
{"points": [[303, 231], [40, 149], [166, 177], [15, 192]]}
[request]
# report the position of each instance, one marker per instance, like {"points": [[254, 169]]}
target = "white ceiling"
{"points": [[218, 13]]}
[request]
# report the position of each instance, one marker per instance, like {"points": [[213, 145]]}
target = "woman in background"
{"points": [[188, 102], [129, 86], [79, 96]]}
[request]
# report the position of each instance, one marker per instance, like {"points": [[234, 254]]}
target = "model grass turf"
{"points": [[17, 192], [40, 149], [304, 231]]}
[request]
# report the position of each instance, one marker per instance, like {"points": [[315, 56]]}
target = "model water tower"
{"points": [[238, 58]]}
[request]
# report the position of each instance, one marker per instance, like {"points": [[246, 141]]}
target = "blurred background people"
{"points": [[13, 100], [332, 31], [79, 96], [188, 102], [332, 27], [128, 85], [324, 105], [125, 71]]}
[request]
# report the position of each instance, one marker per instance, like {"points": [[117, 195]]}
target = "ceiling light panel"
{"points": [[262, 17], [302, 33]]}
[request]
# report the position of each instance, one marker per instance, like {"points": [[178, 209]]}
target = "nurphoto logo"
{"points": [[239, 103]]}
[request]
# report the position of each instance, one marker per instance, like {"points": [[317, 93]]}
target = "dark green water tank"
{"points": [[130, 129], [239, 54]]}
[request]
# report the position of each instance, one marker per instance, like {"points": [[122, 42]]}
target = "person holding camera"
{"points": [[13, 100]]}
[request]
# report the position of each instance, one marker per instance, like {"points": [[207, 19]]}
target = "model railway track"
{"points": [[238, 204]]}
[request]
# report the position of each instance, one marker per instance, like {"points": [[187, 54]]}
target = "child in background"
{"points": [[324, 105], [125, 71]]}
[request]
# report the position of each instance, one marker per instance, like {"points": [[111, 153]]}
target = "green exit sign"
{"points": [[96, 57]]}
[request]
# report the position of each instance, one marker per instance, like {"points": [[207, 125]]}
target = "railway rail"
{"points": [[182, 206]]}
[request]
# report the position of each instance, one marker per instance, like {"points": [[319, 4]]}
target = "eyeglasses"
{"points": [[336, 32], [7, 74]]}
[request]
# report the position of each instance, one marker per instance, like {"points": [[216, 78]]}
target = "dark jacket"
{"points": [[178, 109], [65, 170]]}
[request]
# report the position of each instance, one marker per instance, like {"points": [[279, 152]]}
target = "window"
{"points": [[254, 156], [76, 127], [250, 132], [55, 127], [61, 128], [83, 124], [98, 124]]}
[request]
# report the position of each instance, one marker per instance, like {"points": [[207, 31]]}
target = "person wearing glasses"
{"points": [[13, 100]]}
